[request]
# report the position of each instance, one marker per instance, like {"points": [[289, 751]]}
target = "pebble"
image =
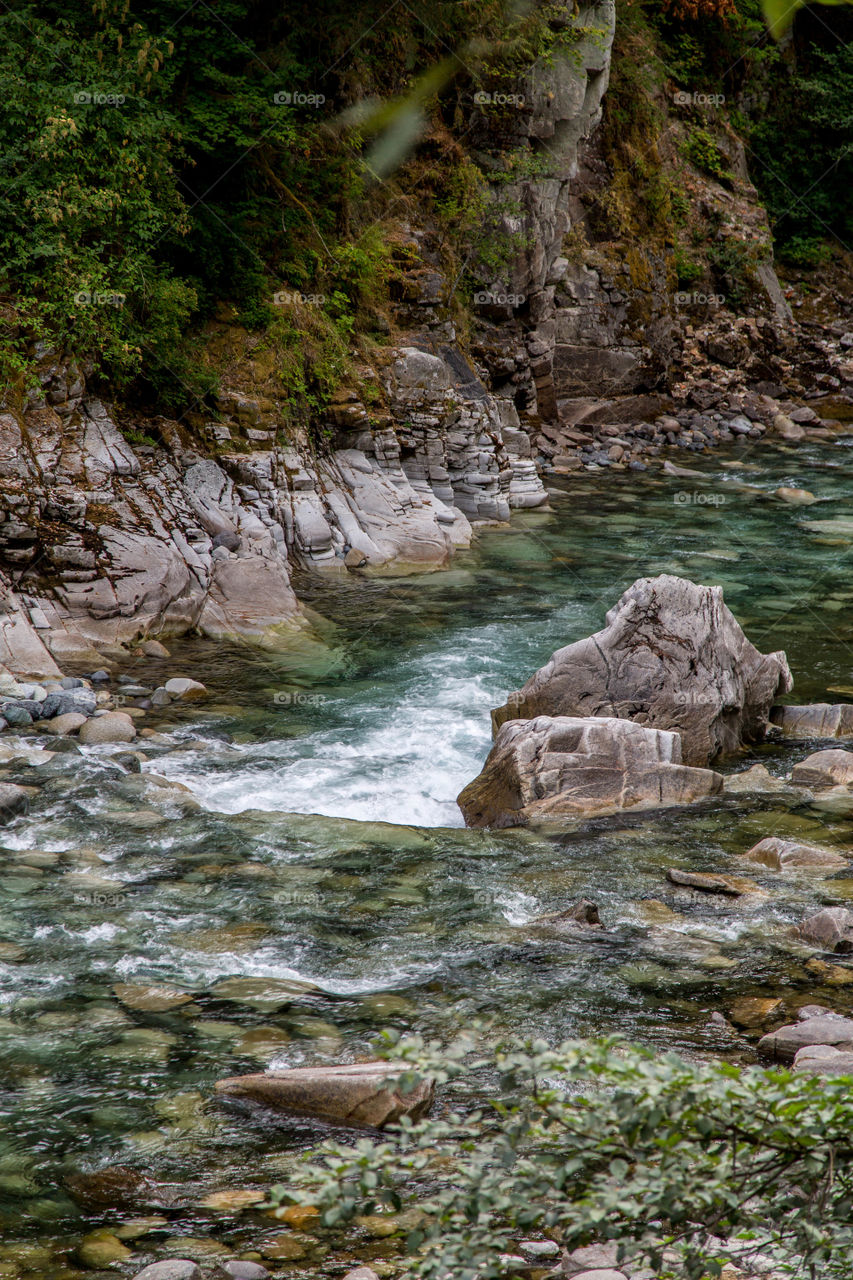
{"points": [[251, 1270], [63, 725], [172, 1269], [186, 690]]}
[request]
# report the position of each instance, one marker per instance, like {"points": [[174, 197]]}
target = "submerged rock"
{"points": [[581, 915], [13, 799], [572, 766], [671, 656], [710, 882], [358, 1094]]}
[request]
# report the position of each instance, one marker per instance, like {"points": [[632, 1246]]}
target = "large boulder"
{"points": [[574, 766], [362, 1094], [671, 656]]}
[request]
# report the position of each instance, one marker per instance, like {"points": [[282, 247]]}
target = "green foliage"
{"points": [[805, 251], [684, 1165], [803, 149], [687, 269], [702, 151]]}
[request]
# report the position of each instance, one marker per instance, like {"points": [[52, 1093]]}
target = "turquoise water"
{"points": [[318, 841]]}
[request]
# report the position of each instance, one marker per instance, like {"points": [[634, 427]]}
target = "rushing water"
{"points": [[318, 843]]}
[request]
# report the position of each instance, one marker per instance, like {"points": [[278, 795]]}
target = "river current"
{"points": [[313, 883]]}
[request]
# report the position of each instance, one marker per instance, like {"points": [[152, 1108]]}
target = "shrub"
{"points": [[683, 1164]]}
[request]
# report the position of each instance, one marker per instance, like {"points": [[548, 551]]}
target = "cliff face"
{"points": [[579, 352]]}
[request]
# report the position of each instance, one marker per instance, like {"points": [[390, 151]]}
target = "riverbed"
{"points": [[310, 882]]}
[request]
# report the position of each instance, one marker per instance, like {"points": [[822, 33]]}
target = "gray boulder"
{"points": [[671, 656], [824, 1029], [241, 1270], [569, 766], [824, 1060], [361, 1094]]}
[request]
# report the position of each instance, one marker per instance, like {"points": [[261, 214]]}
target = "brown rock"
{"points": [[781, 854], [150, 997], [710, 882], [62, 726], [824, 769], [353, 1095], [754, 1011], [115, 726]]}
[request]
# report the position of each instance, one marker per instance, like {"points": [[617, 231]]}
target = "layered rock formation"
{"points": [[549, 768], [671, 656]]}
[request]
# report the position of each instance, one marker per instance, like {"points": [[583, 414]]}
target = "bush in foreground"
{"points": [[685, 1165]]}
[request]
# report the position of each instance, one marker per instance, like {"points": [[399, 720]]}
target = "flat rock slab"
{"points": [[819, 720], [672, 657], [710, 882], [356, 1095], [549, 768], [824, 1060], [825, 1029], [781, 854], [829, 768]]}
